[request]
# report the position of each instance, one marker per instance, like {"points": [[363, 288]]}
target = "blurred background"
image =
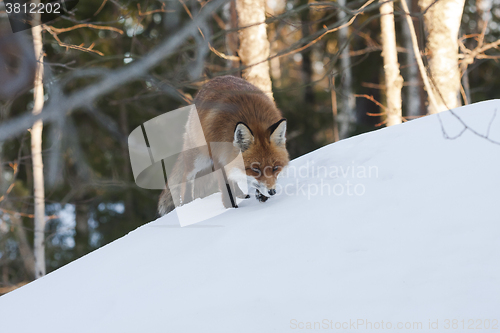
{"points": [[325, 61]]}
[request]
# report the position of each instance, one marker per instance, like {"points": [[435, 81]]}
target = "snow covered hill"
{"points": [[397, 229]]}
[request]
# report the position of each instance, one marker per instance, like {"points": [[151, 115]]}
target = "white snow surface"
{"points": [[421, 244]]}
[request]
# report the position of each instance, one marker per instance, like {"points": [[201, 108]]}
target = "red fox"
{"points": [[231, 110]]}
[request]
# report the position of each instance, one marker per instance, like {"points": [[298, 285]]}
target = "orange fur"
{"points": [[222, 103]]}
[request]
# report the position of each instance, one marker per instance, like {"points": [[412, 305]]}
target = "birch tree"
{"points": [[307, 70], [36, 152], [254, 44], [348, 114], [442, 22], [393, 79], [412, 92]]}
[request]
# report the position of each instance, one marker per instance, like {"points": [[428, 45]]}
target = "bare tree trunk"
{"points": [[348, 115], [5, 272], [36, 154], [27, 256], [412, 91], [254, 45], [275, 45], [23, 245], [334, 109], [81, 229], [480, 9], [307, 70], [442, 21], [393, 80], [126, 171], [275, 62], [465, 84], [232, 40]]}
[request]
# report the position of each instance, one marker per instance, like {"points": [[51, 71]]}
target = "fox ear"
{"points": [[243, 136], [277, 132]]}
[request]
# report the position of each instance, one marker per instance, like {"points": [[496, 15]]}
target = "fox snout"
{"points": [[266, 186], [262, 193], [264, 190], [264, 155]]}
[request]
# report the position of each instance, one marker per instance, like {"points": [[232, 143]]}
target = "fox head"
{"points": [[264, 155]]}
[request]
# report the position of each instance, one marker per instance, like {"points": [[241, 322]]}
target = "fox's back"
{"points": [[225, 101]]}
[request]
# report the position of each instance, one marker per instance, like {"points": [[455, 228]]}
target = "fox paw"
{"points": [[260, 197]]}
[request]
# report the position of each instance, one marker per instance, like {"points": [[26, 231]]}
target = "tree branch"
{"points": [[416, 51], [67, 104]]}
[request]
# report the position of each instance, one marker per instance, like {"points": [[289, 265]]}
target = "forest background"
{"points": [[111, 65]]}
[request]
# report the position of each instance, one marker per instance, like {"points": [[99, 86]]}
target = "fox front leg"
{"points": [[228, 198]]}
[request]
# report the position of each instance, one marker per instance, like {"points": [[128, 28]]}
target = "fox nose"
{"points": [[272, 192]]}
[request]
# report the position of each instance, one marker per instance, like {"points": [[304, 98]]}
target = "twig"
{"points": [[378, 114], [314, 41], [369, 97], [161, 10], [219, 21], [416, 52], [464, 95], [84, 25], [372, 49], [468, 56], [491, 122], [466, 127], [56, 31], [100, 8], [51, 217], [75, 47], [219, 54], [381, 123], [7, 192], [222, 55], [373, 85]]}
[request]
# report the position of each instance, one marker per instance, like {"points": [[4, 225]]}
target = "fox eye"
{"points": [[254, 169], [275, 168]]}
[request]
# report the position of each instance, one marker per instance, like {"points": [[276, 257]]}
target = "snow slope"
{"points": [[417, 244]]}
